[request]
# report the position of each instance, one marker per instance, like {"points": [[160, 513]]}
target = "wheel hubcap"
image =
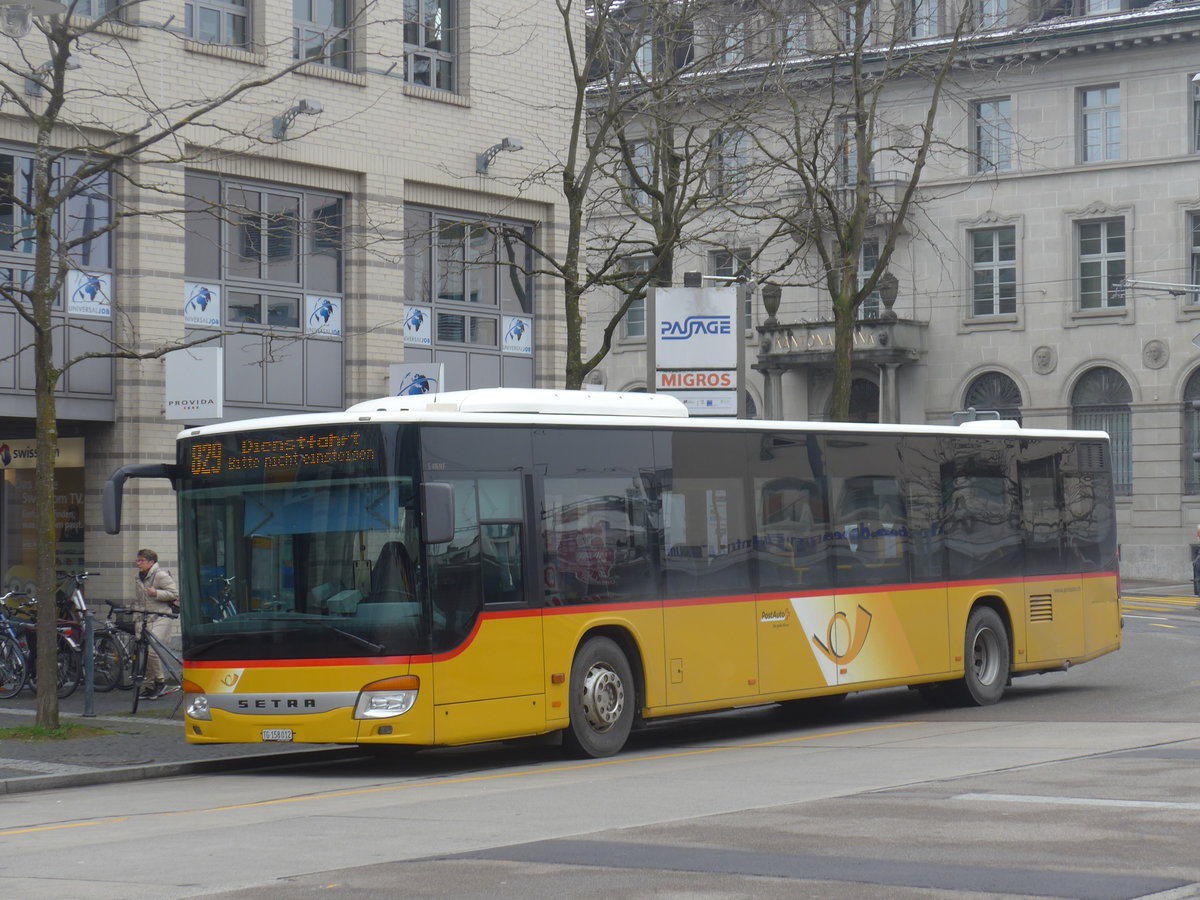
{"points": [[986, 656], [603, 697]]}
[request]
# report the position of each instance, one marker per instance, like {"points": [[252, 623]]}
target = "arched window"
{"points": [[1191, 435], [1100, 402], [864, 401], [996, 391]]}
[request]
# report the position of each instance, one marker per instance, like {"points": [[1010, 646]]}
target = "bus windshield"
{"points": [[285, 568]]}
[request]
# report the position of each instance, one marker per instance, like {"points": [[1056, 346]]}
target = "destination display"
{"points": [[353, 450]]}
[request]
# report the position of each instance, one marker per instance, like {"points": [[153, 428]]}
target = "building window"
{"points": [[266, 249], [429, 52], [994, 391], [643, 55], [1102, 264], [734, 268], [319, 32], [267, 262], [994, 272], [84, 221], [633, 325], [867, 261], [853, 14], [849, 154], [1191, 434], [218, 22], [993, 135], [732, 156], [1100, 402], [1195, 113], [639, 170], [1099, 7], [1100, 123], [730, 40], [94, 9], [793, 34], [993, 13], [470, 272], [924, 15], [1194, 296]]}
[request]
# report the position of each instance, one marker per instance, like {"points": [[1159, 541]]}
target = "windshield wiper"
{"points": [[310, 620], [193, 652]]}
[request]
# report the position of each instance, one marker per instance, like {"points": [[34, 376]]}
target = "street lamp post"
{"points": [[16, 19], [772, 375]]}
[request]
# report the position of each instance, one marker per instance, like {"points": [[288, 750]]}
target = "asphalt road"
{"points": [[1084, 784]]}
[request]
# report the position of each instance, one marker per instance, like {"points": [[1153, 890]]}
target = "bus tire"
{"points": [[602, 701], [987, 658]]}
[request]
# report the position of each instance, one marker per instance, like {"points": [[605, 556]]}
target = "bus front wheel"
{"points": [[602, 700], [986, 658]]}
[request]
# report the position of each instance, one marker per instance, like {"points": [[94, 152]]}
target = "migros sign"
{"points": [[696, 379]]}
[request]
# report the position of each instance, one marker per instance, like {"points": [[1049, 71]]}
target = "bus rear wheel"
{"points": [[987, 658], [602, 700]]}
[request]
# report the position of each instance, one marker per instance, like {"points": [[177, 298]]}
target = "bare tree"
{"points": [[833, 128], [91, 136], [637, 174]]}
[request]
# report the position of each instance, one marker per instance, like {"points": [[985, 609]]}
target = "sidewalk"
{"points": [[148, 745]]}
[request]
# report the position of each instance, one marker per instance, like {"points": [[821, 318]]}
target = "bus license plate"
{"points": [[277, 734]]}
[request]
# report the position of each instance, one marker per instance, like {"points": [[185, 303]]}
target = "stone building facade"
{"points": [[327, 226], [1050, 271]]}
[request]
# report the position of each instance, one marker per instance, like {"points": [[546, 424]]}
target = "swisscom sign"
{"points": [[696, 348]]}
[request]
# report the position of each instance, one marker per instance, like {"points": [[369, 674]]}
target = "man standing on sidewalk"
{"points": [[154, 590]]}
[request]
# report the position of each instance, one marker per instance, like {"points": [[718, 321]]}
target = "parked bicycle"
{"points": [[111, 647], [69, 641], [14, 662], [144, 641]]}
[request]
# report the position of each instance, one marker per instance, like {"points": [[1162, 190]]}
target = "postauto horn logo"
{"points": [[695, 325]]}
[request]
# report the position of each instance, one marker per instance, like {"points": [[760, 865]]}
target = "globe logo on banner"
{"points": [[416, 326], [202, 305]]}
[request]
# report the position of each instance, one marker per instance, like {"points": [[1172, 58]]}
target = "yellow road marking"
{"points": [[36, 828], [1160, 625], [595, 764]]}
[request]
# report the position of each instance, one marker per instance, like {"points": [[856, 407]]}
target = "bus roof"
{"points": [[499, 406]]}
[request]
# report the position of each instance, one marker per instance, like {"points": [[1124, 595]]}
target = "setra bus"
{"points": [[452, 568]]}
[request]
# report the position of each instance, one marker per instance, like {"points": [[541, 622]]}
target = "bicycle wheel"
{"points": [[140, 651], [13, 667], [107, 662], [125, 640], [70, 668]]}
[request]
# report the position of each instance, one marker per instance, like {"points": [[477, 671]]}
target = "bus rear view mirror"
{"points": [[437, 512], [116, 483]]}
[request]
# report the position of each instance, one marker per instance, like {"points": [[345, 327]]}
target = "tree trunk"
{"points": [[46, 538], [843, 349]]}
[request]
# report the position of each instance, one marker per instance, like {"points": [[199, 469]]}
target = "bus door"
{"points": [[1053, 623], [890, 617], [794, 563], [488, 678], [710, 634]]}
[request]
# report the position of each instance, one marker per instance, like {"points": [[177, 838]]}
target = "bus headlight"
{"points": [[387, 698], [197, 707]]}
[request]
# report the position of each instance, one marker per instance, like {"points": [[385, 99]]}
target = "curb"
{"points": [[123, 774]]}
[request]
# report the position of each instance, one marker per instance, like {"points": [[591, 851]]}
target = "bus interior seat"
{"points": [[392, 572]]}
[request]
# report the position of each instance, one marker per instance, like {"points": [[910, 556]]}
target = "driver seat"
{"points": [[392, 571]]}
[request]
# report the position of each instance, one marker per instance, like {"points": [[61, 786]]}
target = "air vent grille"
{"points": [[1041, 608]]}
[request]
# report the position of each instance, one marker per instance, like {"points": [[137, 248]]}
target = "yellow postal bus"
{"points": [[463, 567]]}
